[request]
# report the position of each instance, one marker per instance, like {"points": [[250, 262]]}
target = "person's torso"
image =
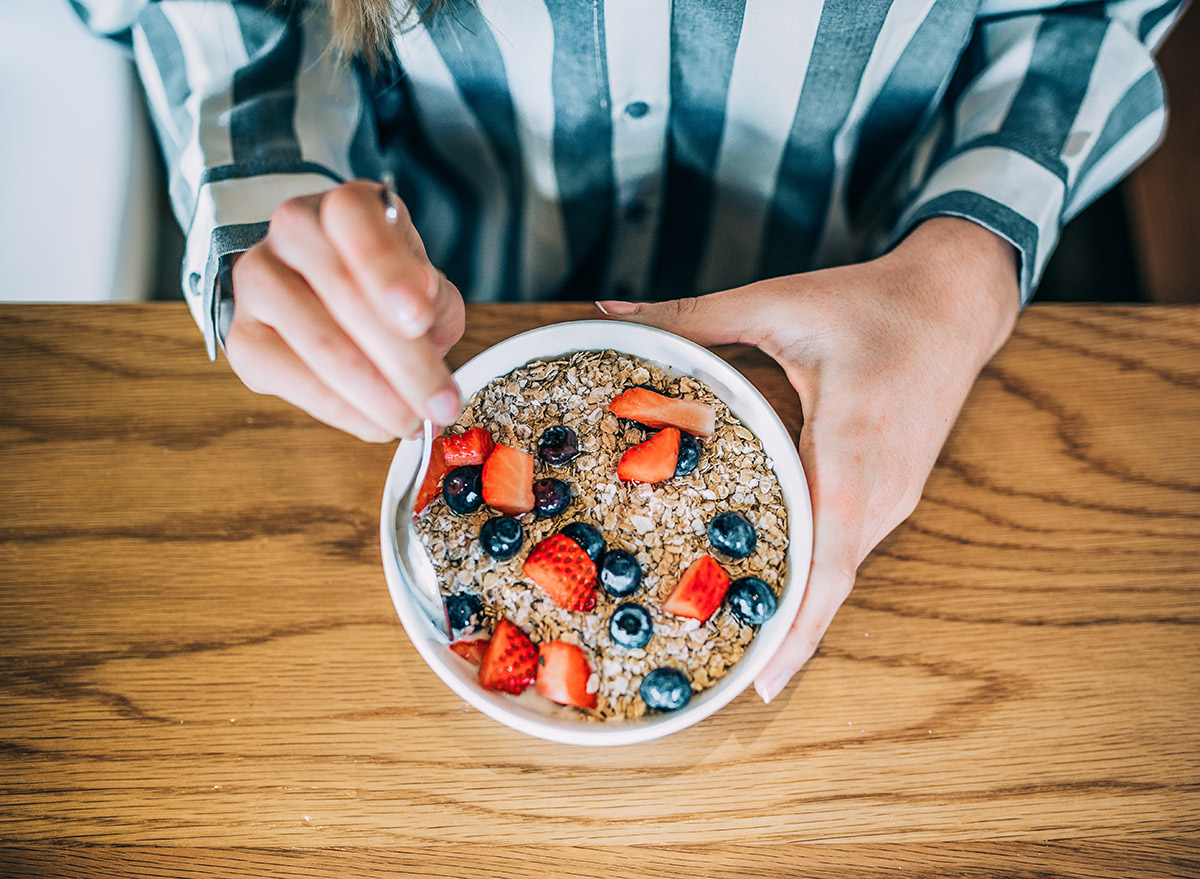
{"points": [[641, 149]]}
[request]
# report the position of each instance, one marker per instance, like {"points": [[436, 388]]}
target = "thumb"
{"points": [[726, 318], [839, 501]]}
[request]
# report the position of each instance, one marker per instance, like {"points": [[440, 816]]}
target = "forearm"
{"points": [[250, 112], [1051, 105]]}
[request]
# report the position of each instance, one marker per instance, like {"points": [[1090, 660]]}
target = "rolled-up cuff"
{"points": [[1004, 191], [231, 216]]}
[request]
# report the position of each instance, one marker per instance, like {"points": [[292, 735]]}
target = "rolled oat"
{"points": [[662, 524]]}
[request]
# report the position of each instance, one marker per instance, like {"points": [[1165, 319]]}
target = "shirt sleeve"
{"points": [[1047, 111], [251, 107]]}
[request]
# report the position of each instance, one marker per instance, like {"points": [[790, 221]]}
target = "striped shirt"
{"points": [[651, 149]]}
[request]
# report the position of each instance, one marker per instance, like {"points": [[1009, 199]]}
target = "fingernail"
{"points": [[443, 407], [431, 285], [769, 688], [407, 319], [613, 307]]}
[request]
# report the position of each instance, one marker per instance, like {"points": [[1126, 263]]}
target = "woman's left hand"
{"points": [[883, 355]]}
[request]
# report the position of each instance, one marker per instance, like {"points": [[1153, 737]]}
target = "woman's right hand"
{"points": [[339, 311]]}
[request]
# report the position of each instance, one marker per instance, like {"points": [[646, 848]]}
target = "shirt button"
{"points": [[636, 212], [637, 109]]}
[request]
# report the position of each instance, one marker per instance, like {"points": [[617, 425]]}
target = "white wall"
{"points": [[77, 217]]}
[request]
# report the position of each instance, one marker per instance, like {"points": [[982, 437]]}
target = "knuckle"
{"points": [[291, 226], [339, 285], [844, 584], [810, 638], [262, 286], [251, 274], [336, 200], [336, 355], [683, 308], [352, 216], [291, 215], [243, 351], [346, 199], [252, 377], [803, 640], [840, 578], [256, 385], [832, 581]]}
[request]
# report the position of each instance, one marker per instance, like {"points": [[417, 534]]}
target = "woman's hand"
{"points": [[339, 312], [883, 355]]}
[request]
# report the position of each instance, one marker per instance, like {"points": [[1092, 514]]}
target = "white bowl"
{"points": [[530, 713]]}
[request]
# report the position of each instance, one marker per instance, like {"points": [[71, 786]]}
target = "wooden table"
{"points": [[202, 673]]}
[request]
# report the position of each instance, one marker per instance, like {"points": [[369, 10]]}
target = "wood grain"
{"points": [[201, 671]]}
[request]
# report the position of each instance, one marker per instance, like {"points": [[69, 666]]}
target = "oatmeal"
{"points": [[729, 505]]}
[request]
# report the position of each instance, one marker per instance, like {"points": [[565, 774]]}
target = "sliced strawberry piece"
{"points": [[655, 411], [700, 590], [509, 663], [432, 486], [469, 447], [563, 674], [564, 571], [471, 649], [508, 480], [651, 461]]}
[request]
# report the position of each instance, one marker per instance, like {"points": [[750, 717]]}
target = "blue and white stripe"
{"points": [[592, 148]]}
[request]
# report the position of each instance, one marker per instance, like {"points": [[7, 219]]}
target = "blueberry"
{"points": [[501, 537], [462, 489], [732, 534], [631, 626], [550, 497], [689, 454], [465, 611], [588, 537], [558, 445], [665, 689], [751, 600], [620, 574]]}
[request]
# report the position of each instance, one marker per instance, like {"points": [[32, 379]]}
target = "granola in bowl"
{"points": [[692, 558]]}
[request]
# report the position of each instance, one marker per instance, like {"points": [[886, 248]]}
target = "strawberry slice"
{"points": [[563, 674], [699, 591], [432, 486], [508, 480], [471, 649], [469, 447], [651, 461], [509, 663], [564, 571], [655, 411]]}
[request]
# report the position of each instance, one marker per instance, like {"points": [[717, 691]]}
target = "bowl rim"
{"points": [[557, 724]]}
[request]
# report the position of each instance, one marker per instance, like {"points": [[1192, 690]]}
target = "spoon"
{"points": [[411, 557]]}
